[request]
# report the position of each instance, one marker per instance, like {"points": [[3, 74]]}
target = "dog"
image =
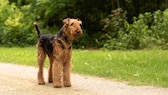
{"points": [[58, 48]]}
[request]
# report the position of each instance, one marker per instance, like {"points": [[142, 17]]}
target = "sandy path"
{"points": [[21, 80]]}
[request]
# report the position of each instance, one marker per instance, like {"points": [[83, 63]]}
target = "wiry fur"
{"points": [[58, 48]]}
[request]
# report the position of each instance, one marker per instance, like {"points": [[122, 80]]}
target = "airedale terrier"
{"points": [[58, 47]]}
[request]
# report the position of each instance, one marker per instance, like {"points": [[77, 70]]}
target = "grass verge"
{"points": [[143, 67]]}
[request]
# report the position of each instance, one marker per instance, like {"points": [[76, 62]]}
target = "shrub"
{"points": [[148, 30], [17, 25], [114, 23], [114, 27]]}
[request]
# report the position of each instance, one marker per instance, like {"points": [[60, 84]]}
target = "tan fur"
{"points": [[60, 59]]}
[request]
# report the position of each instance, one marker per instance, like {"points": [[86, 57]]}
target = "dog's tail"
{"points": [[37, 29]]}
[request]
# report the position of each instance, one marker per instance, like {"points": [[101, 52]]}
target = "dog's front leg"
{"points": [[57, 73], [66, 74]]}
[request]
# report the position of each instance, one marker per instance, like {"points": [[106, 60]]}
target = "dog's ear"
{"points": [[79, 21], [66, 21]]}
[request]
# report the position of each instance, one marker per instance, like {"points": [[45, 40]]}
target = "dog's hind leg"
{"points": [[41, 58], [50, 79]]}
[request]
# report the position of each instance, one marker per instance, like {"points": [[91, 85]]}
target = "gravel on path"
{"points": [[22, 80]]}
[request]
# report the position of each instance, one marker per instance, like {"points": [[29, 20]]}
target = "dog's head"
{"points": [[72, 28]]}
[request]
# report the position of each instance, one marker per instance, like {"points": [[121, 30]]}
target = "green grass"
{"points": [[143, 67], [24, 56]]}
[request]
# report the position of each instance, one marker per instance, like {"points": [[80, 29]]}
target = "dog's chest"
{"points": [[63, 54]]}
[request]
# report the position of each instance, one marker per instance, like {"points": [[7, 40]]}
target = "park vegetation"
{"points": [[108, 24]]}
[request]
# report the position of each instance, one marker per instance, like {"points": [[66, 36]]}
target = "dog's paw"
{"points": [[67, 85], [57, 86], [50, 81], [41, 83]]}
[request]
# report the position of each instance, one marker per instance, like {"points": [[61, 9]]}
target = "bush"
{"points": [[149, 30], [17, 25], [114, 27]]}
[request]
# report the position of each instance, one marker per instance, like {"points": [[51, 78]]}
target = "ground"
{"points": [[21, 80]]}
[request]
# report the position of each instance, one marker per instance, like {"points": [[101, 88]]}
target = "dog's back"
{"points": [[45, 40]]}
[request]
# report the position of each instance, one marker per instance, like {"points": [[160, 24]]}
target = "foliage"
{"points": [[114, 22], [147, 31], [16, 25], [115, 30], [49, 9], [114, 26]]}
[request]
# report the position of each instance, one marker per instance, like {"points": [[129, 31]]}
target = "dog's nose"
{"points": [[78, 31]]}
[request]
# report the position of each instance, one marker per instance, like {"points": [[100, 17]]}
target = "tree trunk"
{"points": [[167, 3], [118, 3], [136, 6]]}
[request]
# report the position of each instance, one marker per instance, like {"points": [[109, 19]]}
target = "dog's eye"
{"points": [[72, 24]]}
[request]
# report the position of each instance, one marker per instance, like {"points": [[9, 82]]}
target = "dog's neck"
{"points": [[63, 40]]}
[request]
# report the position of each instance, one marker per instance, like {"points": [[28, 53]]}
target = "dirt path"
{"points": [[21, 80]]}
